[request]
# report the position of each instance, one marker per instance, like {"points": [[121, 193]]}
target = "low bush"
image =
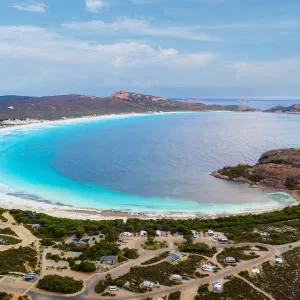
{"points": [[13, 260], [60, 284], [156, 258], [199, 248], [175, 296], [84, 266], [234, 289], [130, 253]]}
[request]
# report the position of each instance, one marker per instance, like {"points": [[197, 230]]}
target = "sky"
{"points": [[169, 48]]}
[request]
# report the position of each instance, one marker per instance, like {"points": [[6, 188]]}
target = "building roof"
{"points": [[174, 256], [109, 258]]}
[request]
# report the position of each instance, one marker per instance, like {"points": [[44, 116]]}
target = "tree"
{"points": [[100, 287], [80, 231]]}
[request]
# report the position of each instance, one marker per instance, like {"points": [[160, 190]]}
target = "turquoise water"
{"points": [[153, 163]]}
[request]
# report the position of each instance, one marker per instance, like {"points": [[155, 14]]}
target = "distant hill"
{"points": [[66, 106], [293, 109]]}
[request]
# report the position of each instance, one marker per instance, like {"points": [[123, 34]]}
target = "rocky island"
{"points": [[276, 169], [293, 109]]}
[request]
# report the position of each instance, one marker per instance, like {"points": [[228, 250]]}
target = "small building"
{"points": [[158, 232], [110, 259], [143, 233], [177, 233], [217, 286], [222, 239], [36, 226], [210, 233], [174, 257], [256, 271], [176, 277], [29, 213], [127, 234], [278, 260], [148, 284], [229, 260], [207, 268]]}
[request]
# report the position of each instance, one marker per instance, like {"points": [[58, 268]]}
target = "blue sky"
{"points": [[172, 48]]}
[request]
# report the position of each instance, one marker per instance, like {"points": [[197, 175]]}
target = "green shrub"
{"points": [[84, 266], [60, 284], [100, 287], [175, 296]]}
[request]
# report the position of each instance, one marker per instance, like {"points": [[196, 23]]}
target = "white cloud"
{"points": [[94, 6], [141, 27], [37, 59], [31, 5]]}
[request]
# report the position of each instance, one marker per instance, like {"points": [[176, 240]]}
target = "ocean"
{"points": [[157, 163]]}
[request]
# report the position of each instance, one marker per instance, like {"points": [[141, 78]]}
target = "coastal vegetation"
{"points": [[233, 289], [238, 252], [158, 272], [152, 244], [199, 248], [8, 240], [277, 227], [14, 260], [7, 231], [175, 296], [280, 281], [156, 258], [60, 284]]}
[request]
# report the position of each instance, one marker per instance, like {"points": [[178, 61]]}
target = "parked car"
{"points": [[252, 253], [237, 259], [186, 278]]}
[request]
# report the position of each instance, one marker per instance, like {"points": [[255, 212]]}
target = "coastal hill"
{"points": [[277, 169], [67, 106], [293, 109]]}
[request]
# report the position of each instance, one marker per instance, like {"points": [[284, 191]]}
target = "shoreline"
{"points": [[105, 116], [71, 212], [261, 187]]}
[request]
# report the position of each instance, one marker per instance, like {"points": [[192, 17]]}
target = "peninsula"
{"points": [[74, 106], [276, 169]]}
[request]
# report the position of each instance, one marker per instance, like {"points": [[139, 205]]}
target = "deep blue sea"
{"points": [[147, 163]]}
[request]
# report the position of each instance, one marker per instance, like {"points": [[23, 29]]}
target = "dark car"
{"points": [[186, 278], [252, 253], [237, 259]]}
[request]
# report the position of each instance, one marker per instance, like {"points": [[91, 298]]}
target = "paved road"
{"points": [[88, 293]]}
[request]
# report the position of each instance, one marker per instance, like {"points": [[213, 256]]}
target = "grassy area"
{"points": [[152, 244], [8, 240], [2, 218], [60, 284], [281, 281], [235, 252], [234, 289], [156, 259], [160, 272], [14, 260], [7, 231]]}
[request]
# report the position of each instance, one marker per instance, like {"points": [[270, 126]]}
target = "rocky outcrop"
{"points": [[277, 169], [136, 97], [294, 109]]}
